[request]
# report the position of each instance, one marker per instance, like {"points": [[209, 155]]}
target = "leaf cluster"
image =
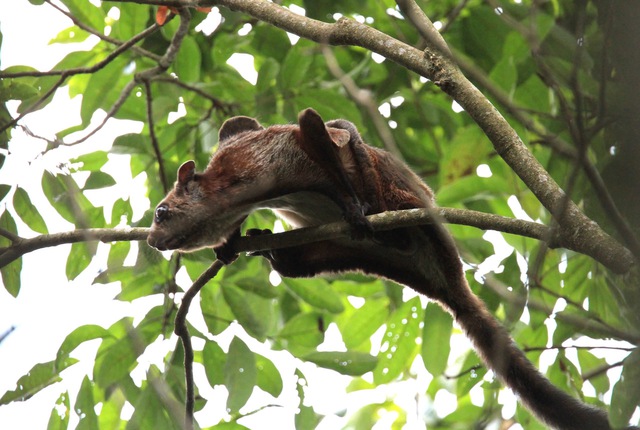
{"points": [[179, 82]]}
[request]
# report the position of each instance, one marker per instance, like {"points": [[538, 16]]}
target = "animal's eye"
{"points": [[162, 213]]}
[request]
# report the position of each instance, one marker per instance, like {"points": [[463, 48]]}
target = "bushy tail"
{"points": [[550, 404]]}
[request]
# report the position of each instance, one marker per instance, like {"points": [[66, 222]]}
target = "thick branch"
{"points": [[380, 222]]}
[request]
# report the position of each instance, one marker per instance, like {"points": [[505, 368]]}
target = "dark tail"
{"points": [[496, 348], [550, 404]]}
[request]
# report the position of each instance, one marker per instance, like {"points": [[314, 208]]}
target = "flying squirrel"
{"points": [[314, 173]]}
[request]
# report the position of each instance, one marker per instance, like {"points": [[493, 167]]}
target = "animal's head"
{"points": [[252, 165], [202, 210]]}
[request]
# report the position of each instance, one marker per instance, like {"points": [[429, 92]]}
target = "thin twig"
{"points": [[23, 246], [154, 139], [64, 74], [181, 329], [582, 323], [104, 37]]}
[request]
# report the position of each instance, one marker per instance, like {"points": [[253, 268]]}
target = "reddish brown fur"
{"points": [[279, 168]]}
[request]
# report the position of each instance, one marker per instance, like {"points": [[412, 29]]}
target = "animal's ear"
{"points": [[312, 128], [237, 124], [186, 172], [348, 127], [339, 136]]}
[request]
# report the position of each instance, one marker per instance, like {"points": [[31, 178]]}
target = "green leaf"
{"points": [[217, 313], [352, 363], [133, 143], [70, 35], [150, 412], [133, 18], [118, 353], [101, 83], [4, 190], [239, 374], [66, 197], [118, 252], [231, 425], [626, 392], [486, 46], [214, 359], [588, 364], [85, 407], [86, 13], [245, 307], [510, 276], [295, 66], [78, 336], [364, 322], [188, 61], [40, 376], [28, 212], [59, 418], [14, 90], [112, 409], [436, 335], [10, 272], [302, 332], [468, 148], [269, 378], [79, 259], [252, 276], [328, 105], [534, 94], [471, 187], [317, 292], [99, 180], [465, 412], [505, 74], [267, 76], [269, 43], [306, 418], [399, 342], [472, 371], [93, 161]]}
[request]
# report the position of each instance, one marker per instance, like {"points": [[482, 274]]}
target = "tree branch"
{"points": [[154, 139], [181, 329], [101, 35], [64, 74], [24, 246], [380, 222]]}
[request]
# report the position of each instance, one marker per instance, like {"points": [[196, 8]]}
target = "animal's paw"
{"points": [[259, 232], [225, 253], [355, 215]]}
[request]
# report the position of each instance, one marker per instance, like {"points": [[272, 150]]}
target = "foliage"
{"points": [[556, 93]]}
